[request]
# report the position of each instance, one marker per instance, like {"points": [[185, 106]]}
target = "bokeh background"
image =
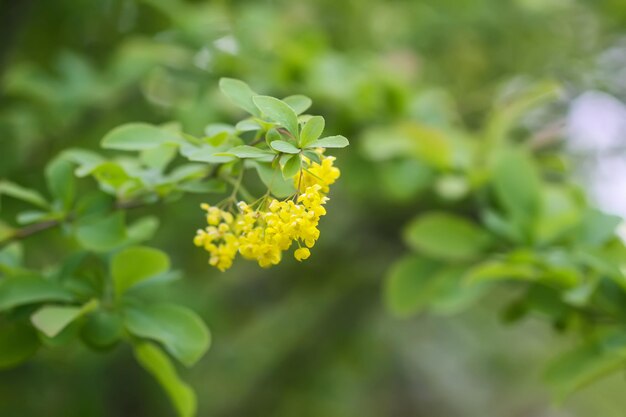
{"points": [[315, 339]]}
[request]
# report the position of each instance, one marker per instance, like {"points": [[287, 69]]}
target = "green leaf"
{"points": [[298, 103], [137, 137], [283, 146], [87, 161], [446, 236], [143, 229], [409, 285], [291, 167], [132, 265], [501, 270], [102, 234], [34, 216], [24, 194], [180, 330], [61, 181], [313, 156], [246, 151], [517, 185], [102, 329], [597, 227], [240, 93], [52, 319], [248, 125], [272, 135], [215, 129], [17, 291], [159, 156], [311, 131], [18, 342], [278, 111], [273, 179], [153, 360], [329, 142], [587, 363], [203, 187], [210, 155], [111, 175]]}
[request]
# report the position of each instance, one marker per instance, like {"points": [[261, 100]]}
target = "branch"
{"points": [[33, 229]]}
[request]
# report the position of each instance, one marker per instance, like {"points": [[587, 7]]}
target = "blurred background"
{"points": [[314, 339]]}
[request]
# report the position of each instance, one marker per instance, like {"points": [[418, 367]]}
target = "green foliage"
{"points": [[18, 342], [102, 294], [182, 332], [454, 111], [23, 290], [133, 265], [158, 364], [280, 112], [447, 237], [595, 358], [137, 137], [51, 320]]}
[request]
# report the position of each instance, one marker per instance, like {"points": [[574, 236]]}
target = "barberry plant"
{"points": [[100, 292]]}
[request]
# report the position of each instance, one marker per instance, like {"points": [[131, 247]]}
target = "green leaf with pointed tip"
{"points": [[240, 93], [311, 131], [329, 142], [17, 291], [132, 265], [445, 236], [18, 342], [153, 360], [137, 137], [298, 103], [61, 183], [283, 146], [51, 320], [278, 111], [21, 193], [291, 167], [246, 151], [102, 234], [178, 329]]}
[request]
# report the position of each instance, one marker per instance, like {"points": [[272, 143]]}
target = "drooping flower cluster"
{"points": [[265, 232]]}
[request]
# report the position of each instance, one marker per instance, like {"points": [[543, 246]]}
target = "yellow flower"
{"points": [[263, 233], [323, 174], [302, 254]]}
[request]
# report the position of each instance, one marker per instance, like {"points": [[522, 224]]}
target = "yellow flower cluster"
{"points": [[264, 233]]}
